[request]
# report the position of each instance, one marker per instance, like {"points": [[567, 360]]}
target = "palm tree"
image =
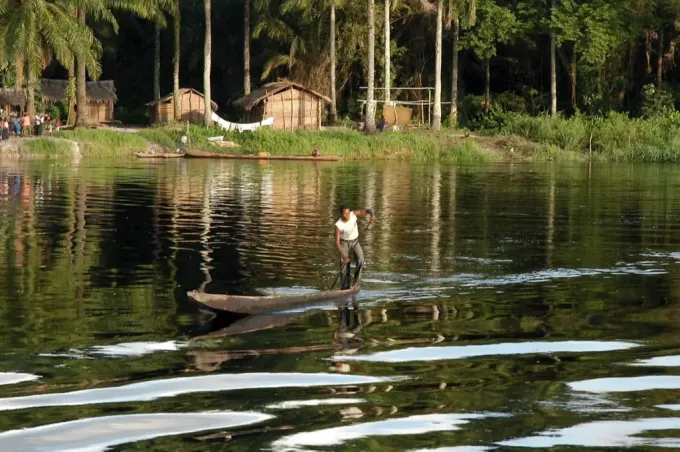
{"points": [[388, 56], [175, 63], [101, 9], [468, 10], [334, 102], [437, 114], [36, 31], [453, 113], [81, 79], [553, 66], [19, 71], [207, 51], [157, 62], [159, 23], [370, 95], [309, 8], [246, 46]]}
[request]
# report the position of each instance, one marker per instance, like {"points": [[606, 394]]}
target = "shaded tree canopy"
{"points": [[608, 50]]}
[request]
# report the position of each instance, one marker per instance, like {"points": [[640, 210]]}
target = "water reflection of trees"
{"points": [[92, 250]]}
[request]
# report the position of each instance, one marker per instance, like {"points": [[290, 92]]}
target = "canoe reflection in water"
{"points": [[344, 336], [222, 326]]}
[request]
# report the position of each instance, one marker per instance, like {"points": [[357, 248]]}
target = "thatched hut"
{"points": [[191, 107], [13, 99], [292, 105], [101, 97]]}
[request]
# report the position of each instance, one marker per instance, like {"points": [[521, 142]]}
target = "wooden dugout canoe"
{"points": [[165, 155], [219, 155], [257, 305]]}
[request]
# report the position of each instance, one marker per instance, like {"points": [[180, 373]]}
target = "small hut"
{"points": [[101, 97], [191, 105], [13, 99], [292, 105]]}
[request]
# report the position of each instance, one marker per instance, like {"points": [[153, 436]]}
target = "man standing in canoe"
{"points": [[347, 243]]}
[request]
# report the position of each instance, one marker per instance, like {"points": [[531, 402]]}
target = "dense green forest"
{"points": [[533, 56]]}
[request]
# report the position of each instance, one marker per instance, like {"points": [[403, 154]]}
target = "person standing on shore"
{"points": [[347, 243]]}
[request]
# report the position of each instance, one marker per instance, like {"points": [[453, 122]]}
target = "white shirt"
{"points": [[348, 230]]}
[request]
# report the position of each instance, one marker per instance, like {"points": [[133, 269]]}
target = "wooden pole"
{"points": [[283, 111], [292, 125], [429, 104]]}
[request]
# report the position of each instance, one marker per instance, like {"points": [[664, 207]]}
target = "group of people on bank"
{"points": [[15, 124]]}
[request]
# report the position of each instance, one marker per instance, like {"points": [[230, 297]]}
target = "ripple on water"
{"points": [[563, 273], [659, 361], [155, 389], [291, 404], [129, 349], [456, 449], [10, 378], [627, 384], [101, 433], [413, 354], [603, 434], [413, 425], [122, 350]]}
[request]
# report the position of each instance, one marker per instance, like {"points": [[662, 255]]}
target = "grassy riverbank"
{"points": [[419, 146], [615, 137], [501, 137]]}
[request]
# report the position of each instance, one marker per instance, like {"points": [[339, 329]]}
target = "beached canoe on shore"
{"points": [[219, 155], [165, 155], [257, 305]]}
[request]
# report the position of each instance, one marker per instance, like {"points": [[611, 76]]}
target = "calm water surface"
{"points": [[509, 307]]}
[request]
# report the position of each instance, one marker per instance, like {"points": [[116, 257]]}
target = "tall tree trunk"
{"points": [[370, 95], [30, 104], [334, 105], [648, 52], [207, 52], [70, 92], [175, 65], [631, 65], [454, 74], [81, 82], [157, 64], [553, 71], [246, 46], [659, 62], [487, 89], [437, 114], [19, 82], [388, 51], [572, 76]]}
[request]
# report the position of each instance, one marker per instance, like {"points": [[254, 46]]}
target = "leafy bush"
{"points": [[656, 102], [510, 102]]}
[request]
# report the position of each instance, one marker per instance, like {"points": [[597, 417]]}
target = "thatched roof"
{"points": [[98, 92], [257, 96], [182, 91], [13, 96]]}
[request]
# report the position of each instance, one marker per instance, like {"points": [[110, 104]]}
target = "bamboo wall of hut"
{"points": [[291, 105], [192, 107]]}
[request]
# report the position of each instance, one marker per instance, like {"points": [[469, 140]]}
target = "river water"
{"points": [[503, 307]]}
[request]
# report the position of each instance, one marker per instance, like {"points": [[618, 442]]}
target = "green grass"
{"points": [[615, 137], [414, 146], [106, 143], [47, 147], [466, 152], [353, 145]]}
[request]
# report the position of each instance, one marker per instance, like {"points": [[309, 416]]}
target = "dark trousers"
{"points": [[351, 249]]}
